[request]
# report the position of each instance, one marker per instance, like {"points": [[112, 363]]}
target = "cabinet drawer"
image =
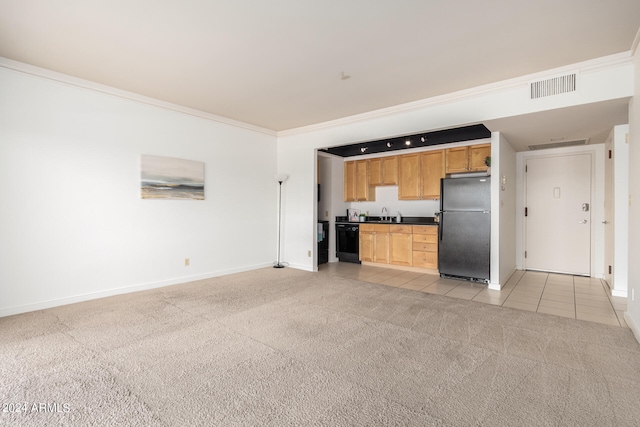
{"points": [[366, 228], [425, 247], [425, 259], [400, 229], [425, 238], [380, 228], [425, 229]]}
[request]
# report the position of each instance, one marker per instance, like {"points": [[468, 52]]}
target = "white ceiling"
{"points": [[278, 64]]}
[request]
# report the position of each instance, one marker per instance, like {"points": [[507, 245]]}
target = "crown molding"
{"points": [[636, 42], [596, 64], [44, 73]]}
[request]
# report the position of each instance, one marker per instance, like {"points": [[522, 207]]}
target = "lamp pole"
{"points": [[280, 178]]}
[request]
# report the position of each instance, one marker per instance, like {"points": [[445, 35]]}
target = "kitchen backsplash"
{"points": [[388, 197]]}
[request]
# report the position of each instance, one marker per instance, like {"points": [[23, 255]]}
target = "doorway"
{"points": [[558, 213]]}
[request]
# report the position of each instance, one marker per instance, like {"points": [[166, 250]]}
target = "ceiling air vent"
{"points": [[559, 144], [554, 86]]}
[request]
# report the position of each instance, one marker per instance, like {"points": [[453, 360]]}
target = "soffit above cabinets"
{"points": [[417, 140]]}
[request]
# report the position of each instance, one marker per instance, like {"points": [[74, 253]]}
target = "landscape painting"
{"points": [[171, 178]]}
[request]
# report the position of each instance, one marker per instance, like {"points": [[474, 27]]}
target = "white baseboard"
{"points": [[301, 267], [41, 305], [635, 328], [619, 293]]}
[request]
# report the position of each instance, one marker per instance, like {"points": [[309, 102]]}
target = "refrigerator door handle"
{"points": [[440, 222]]}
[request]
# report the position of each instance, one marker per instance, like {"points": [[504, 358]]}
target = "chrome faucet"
{"points": [[384, 218]]}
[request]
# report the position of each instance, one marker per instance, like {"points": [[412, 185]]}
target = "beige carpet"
{"points": [[281, 347]]}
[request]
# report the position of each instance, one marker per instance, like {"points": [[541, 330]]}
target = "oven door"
{"points": [[348, 242]]}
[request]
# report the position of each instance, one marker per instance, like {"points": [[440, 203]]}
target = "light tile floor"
{"points": [[576, 297]]}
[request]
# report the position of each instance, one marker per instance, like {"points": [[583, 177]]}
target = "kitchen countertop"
{"points": [[406, 220]]}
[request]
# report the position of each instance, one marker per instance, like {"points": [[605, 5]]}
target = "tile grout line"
{"points": [[541, 293], [610, 302]]}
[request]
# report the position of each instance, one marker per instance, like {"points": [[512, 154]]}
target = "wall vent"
{"points": [[554, 86], [559, 144]]}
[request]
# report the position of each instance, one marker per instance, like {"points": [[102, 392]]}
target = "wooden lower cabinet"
{"points": [[400, 245], [403, 245], [425, 246], [374, 243]]}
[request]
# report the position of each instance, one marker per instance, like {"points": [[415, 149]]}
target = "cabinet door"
{"points": [[432, 172], [366, 246], [457, 159], [425, 259], [477, 155], [390, 170], [400, 249], [375, 171], [381, 247], [409, 187], [350, 181], [362, 181]]}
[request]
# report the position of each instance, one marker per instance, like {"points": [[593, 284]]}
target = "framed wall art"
{"points": [[171, 178]]}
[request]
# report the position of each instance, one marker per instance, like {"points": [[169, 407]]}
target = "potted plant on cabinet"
{"points": [[487, 161]]}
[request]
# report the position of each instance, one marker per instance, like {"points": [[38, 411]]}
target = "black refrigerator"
{"points": [[464, 249]]}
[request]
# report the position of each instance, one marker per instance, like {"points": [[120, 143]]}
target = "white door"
{"points": [[558, 214]]}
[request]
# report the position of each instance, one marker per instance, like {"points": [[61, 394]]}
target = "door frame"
{"points": [[597, 192]]}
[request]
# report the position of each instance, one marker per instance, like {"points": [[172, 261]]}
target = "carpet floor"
{"points": [[283, 347]]}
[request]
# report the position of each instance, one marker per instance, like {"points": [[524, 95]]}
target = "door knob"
{"points": [[605, 222], [584, 221]]}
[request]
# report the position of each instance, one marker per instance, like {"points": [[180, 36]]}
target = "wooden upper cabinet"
{"points": [[457, 159], [419, 175], [390, 170], [383, 171], [350, 181], [432, 172], [409, 186], [467, 159], [477, 156], [363, 193], [356, 181], [375, 171]]}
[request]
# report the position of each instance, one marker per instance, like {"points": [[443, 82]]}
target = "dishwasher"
{"points": [[348, 242]]}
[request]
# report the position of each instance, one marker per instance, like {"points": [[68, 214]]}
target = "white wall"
{"points": [[632, 315], [620, 210], [72, 223], [503, 211], [600, 80]]}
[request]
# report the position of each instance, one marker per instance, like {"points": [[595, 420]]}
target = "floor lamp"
{"points": [[280, 178]]}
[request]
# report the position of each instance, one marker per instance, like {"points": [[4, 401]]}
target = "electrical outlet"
{"points": [[309, 254], [187, 261], [326, 214]]}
